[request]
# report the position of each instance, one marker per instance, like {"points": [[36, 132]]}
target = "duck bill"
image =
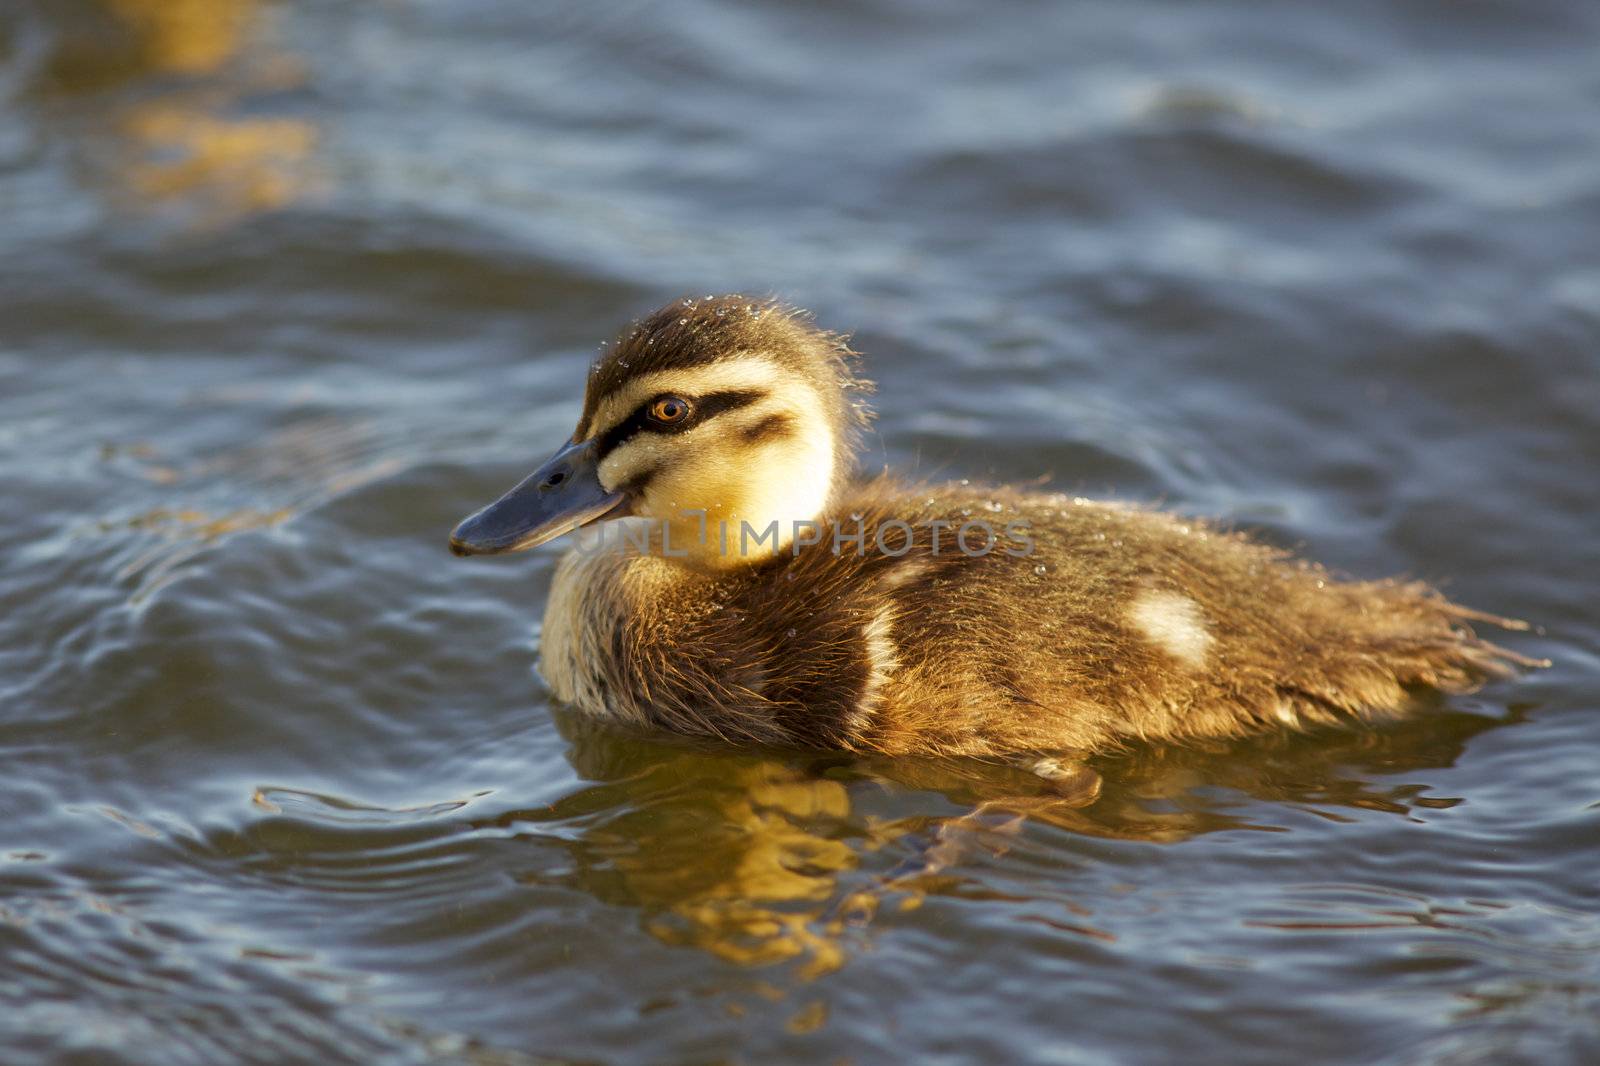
{"points": [[560, 496]]}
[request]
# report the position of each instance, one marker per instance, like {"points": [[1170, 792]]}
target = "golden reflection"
{"points": [[226, 167], [760, 859], [772, 875], [174, 72], [187, 36]]}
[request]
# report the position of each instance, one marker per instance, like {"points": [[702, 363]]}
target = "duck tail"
{"points": [[1435, 644], [1420, 641], [1481, 657]]}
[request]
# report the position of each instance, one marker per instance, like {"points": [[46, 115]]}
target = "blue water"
{"points": [[287, 288]]}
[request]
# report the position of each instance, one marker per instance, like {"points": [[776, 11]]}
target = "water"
{"points": [[286, 289]]}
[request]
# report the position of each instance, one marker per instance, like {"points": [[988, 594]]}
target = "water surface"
{"points": [[286, 289]]}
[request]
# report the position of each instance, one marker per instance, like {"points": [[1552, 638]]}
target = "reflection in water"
{"points": [[168, 76], [749, 881], [1049, 278], [763, 859], [760, 858], [186, 36], [218, 167], [730, 852]]}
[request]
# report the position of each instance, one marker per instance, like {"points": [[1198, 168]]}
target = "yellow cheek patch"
{"points": [[770, 462]]}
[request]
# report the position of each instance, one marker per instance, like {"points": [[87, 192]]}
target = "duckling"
{"points": [[759, 593]]}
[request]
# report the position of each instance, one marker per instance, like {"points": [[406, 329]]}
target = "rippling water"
{"points": [[285, 289]]}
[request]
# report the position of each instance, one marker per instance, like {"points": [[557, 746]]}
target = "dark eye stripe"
{"points": [[702, 408], [769, 428]]}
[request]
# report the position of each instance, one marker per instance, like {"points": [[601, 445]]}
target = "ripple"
{"points": [[286, 289]]}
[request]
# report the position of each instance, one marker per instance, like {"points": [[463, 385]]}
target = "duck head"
{"points": [[714, 414]]}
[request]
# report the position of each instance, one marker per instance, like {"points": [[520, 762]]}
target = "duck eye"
{"points": [[669, 410]]}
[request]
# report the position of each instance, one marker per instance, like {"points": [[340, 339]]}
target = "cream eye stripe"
{"points": [[747, 373]]}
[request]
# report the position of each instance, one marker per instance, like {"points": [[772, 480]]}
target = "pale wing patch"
{"points": [[905, 573], [882, 662], [1174, 623]]}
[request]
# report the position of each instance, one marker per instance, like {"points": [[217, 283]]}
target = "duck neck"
{"points": [[759, 513]]}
